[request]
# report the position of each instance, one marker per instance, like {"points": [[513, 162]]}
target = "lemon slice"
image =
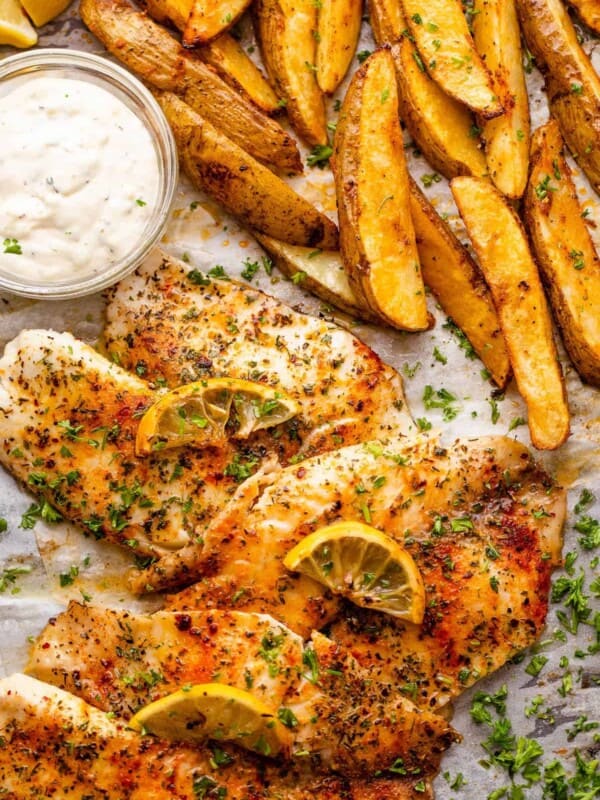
{"points": [[214, 711], [208, 412], [42, 11], [15, 28], [364, 565]]}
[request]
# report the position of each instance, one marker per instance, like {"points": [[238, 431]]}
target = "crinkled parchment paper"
{"points": [[555, 707]]}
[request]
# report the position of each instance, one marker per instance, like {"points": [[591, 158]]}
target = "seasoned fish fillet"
{"points": [[179, 326], [481, 520], [68, 419], [344, 720], [56, 745]]}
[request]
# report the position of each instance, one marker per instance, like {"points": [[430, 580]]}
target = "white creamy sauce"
{"points": [[79, 179]]}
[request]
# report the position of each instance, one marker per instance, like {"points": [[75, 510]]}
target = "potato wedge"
{"points": [[377, 236], [387, 21], [231, 62], [225, 54], [460, 288], [589, 11], [338, 31], [498, 39], [572, 85], [245, 188], [320, 272], [564, 250], [170, 12], [501, 246], [148, 50], [443, 128], [447, 52], [210, 18], [286, 32]]}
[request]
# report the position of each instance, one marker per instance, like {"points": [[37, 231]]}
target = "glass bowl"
{"points": [[65, 63]]}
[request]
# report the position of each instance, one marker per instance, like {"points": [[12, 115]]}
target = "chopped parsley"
{"points": [[320, 155], [8, 578], [464, 344], [442, 399], [12, 246]]}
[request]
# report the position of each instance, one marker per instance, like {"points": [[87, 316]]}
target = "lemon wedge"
{"points": [[208, 412], [214, 711], [42, 11], [15, 28], [363, 564]]}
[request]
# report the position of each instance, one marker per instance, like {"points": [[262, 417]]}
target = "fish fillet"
{"points": [[344, 719], [68, 423], [178, 331], [481, 520], [56, 745]]}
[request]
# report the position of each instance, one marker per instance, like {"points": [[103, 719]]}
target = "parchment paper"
{"points": [[206, 236]]}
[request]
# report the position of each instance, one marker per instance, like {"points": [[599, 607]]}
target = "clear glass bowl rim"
{"points": [[108, 75]]}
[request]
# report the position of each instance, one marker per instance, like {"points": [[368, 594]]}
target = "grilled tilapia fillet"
{"points": [[56, 745], [178, 326], [481, 520], [68, 419], [343, 718]]}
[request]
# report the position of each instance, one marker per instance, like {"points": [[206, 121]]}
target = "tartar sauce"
{"points": [[79, 176]]}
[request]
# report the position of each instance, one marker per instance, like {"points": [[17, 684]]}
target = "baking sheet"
{"points": [[539, 707]]}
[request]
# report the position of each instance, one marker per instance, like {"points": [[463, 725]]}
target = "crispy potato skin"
{"points": [[377, 236], [589, 11], [441, 126], [447, 52], [286, 33], [511, 273], [249, 191], [572, 85], [459, 286], [339, 28], [323, 274], [210, 18], [498, 39], [148, 50], [564, 251]]}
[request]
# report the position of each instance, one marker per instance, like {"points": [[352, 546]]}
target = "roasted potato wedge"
{"points": [[564, 250], [387, 21], [503, 252], [171, 12], [148, 50], [245, 188], [377, 236], [286, 30], [225, 54], [572, 85], [498, 39], [443, 129], [210, 18], [447, 52], [459, 286], [589, 11], [338, 31], [231, 62], [320, 272]]}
